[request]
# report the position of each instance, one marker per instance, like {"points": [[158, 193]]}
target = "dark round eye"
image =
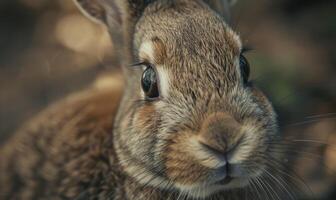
{"points": [[149, 83], [244, 68]]}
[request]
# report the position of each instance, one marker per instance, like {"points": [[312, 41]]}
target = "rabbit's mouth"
{"points": [[225, 180], [207, 189], [202, 170], [219, 181]]}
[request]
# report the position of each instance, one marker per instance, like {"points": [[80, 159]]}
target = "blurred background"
{"points": [[48, 50]]}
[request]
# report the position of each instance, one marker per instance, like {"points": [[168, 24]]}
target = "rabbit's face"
{"points": [[190, 120]]}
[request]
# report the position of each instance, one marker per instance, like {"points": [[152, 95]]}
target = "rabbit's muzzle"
{"points": [[212, 158]]}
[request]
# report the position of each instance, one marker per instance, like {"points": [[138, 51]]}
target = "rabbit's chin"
{"points": [[203, 190], [199, 190], [216, 185], [220, 182]]}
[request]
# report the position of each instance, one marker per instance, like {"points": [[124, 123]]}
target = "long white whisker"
{"points": [[279, 182]]}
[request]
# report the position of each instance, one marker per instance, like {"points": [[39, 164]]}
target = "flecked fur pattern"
{"points": [[116, 144]]}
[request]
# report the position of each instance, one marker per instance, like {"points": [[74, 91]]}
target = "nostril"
{"points": [[219, 151], [219, 131], [221, 148]]}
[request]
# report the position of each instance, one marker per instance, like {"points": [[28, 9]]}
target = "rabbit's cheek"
{"points": [[263, 102], [181, 165], [145, 117], [138, 127]]}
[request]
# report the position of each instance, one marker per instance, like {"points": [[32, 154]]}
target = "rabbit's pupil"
{"points": [[149, 83], [245, 68]]}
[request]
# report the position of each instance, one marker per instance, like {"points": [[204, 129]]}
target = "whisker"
{"points": [[283, 150], [281, 183], [253, 184], [321, 115], [308, 122], [273, 191], [276, 165], [297, 143], [265, 191], [305, 155]]}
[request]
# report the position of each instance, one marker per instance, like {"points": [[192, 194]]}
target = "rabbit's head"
{"points": [[190, 119]]}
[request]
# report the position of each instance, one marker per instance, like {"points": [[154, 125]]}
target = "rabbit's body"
{"points": [[189, 123], [65, 152]]}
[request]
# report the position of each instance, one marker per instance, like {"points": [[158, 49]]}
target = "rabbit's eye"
{"points": [[149, 83], [244, 68]]}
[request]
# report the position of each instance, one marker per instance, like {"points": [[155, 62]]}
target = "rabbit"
{"points": [[187, 123]]}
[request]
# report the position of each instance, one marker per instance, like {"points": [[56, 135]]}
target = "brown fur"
{"points": [[50, 157], [169, 148]]}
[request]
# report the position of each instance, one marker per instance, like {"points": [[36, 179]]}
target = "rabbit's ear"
{"points": [[111, 11], [222, 7], [95, 10], [118, 15]]}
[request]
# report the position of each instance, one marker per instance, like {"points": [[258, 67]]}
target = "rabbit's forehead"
{"points": [[188, 33], [192, 50], [194, 58]]}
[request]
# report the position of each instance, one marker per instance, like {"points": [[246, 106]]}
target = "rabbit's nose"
{"points": [[220, 132]]}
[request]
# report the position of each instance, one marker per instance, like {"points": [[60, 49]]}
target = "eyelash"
{"points": [[246, 49], [142, 63]]}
